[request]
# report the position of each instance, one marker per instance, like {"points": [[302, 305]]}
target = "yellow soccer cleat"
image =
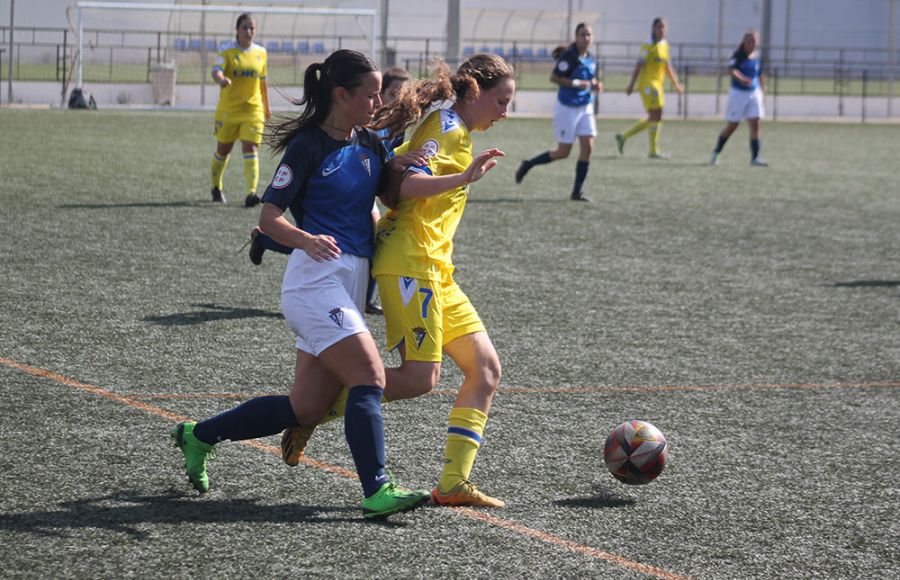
{"points": [[293, 443], [465, 493]]}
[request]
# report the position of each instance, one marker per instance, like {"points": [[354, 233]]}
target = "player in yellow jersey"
{"points": [[426, 313], [652, 67], [240, 69]]}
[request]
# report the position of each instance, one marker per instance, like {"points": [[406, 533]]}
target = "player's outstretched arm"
{"points": [[418, 185]]}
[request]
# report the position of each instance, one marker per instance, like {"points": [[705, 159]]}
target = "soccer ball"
{"points": [[635, 452]]}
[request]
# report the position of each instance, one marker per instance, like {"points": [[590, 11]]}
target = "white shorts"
{"points": [[322, 301], [571, 122], [745, 105]]}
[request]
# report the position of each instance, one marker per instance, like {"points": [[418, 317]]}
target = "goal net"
{"points": [[144, 53]]}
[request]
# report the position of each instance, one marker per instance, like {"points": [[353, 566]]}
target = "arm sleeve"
{"points": [[566, 64], [292, 175]]}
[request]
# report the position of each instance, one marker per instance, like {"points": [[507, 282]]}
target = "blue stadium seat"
{"points": [[180, 44], [499, 51], [194, 44], [303, 47], [526, 53], [273, 46], [468, 50], [319, 47], [211, 44], [543, 53], [287, 47], [223, 45]]}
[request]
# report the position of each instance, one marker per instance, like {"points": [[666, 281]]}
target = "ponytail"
{"points": [[343, 68]]}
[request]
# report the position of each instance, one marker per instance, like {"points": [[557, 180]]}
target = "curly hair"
{"points": [[481, 72]]}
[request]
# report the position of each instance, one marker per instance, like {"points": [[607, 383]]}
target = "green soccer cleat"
{"points": [[390, 499], [196, 453]]}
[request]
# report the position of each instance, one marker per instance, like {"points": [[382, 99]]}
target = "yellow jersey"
{"points": [[416, 238], [246, 67], [654, 57]]}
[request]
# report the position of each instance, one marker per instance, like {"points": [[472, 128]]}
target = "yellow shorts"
{"points": [[424, 315], [230, 128], [653, 98]]}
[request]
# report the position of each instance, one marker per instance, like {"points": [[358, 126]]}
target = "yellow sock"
{"points": [[218, 169], [337, 409], [251, 171], [464, 430], [636, 128], [653, 131]]}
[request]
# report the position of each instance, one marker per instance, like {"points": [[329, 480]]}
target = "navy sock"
{"points": [[270, 244], [754, 148], [581, 171], [539, 160], [364, 429], [259, 417], [720, 144], [370, 291]]}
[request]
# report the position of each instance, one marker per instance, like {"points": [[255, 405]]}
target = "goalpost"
{"points": [[81, 7]]}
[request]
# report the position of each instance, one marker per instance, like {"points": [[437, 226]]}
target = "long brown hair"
{"points": [[481, 72], [342, 68]]}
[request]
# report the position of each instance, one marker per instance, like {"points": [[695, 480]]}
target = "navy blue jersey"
{"points": [[573, 66], [749, 67], [390, 144], [330, 186]]}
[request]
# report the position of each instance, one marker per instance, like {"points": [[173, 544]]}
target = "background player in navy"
{"points": [[745, 97], [573, 111], [328, 178], [392, 80]]}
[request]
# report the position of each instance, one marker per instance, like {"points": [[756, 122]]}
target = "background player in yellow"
{"points": [[652, 67], [426, 313], [240, 69]]}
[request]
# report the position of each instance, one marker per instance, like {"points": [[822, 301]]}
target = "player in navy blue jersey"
{"points": [[328, 178], [745, 97], [573, 112], [392, 81]]}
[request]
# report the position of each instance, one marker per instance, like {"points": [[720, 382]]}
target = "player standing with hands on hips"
{"points": [[745, 98], [649, 73], [240, 69], [573, 111]]}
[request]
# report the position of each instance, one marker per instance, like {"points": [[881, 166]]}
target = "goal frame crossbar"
{"points": [[81, 7]]}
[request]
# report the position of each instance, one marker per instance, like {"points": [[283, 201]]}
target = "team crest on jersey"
{"points": [[407, 289], [337, 316], [430, 148], [563, 66], [283, 177], [419, 335]]}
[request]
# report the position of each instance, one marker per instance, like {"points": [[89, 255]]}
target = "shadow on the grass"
{"points": [[602, 498], [212, 313], [143, 204], [867, 284], [124, 512]]}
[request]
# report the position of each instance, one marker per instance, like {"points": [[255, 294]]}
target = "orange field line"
{"points": [[580, 390], [467, 512]]}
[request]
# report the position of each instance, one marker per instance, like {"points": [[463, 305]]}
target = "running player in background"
{"points": [[328, 178], [745, 98], [243, 107], [426, 313], [573, 111], [649, 73]]}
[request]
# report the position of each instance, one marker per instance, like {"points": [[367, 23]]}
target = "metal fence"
{"points": [[128, 56]]}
